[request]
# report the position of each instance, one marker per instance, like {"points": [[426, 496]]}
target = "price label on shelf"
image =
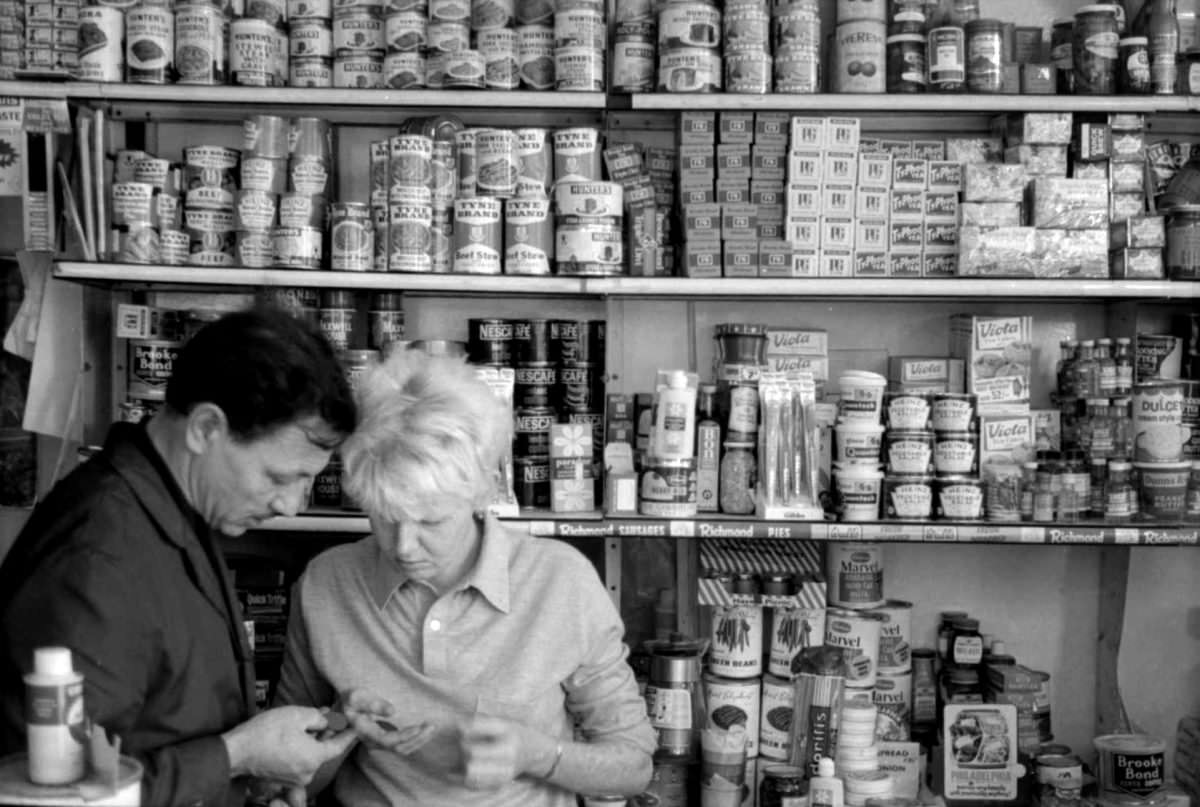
{"points": [[938, 532], [133, 321]]}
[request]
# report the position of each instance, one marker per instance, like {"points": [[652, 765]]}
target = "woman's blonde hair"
{"points": [[428, 426]]}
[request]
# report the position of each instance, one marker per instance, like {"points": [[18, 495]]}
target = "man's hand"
{"points": [[496, 751], [374, 719], [277, 744], [276, 794]]}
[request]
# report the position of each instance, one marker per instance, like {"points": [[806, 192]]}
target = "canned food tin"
{"points": [[862, 10], [310, 73], [357, 33], [892, 697], [907, 498], [302, 210], [491, 14], [580, 386], [149, 45], [689, 70], [589, 248], [272, 11], [747, 30], [410, 158], [860, 57], [958, 498], [351, 237], [444, 180], [633, 64], [528, 237], [909, 452], [101, 44], [793, 630], [906, 63], [1133, 68], [405, 32], [132, 204], [535, 56], [151, 363], [201, 255], [536, 160], [956, 453], [450, 11], [775, 725], [359, 71], [588, 199], [532, 479], [909, 411], [857, 633], [468, 173], [255, 210], [946, 57], [534, 380], [200, 56], [1095, 48], [854, 575], [206, 197], [533, 12], [736, 647], [498, 162], [383, 242], [254, 250], [385, 319], [668, 488], [343, 8], [173, 247], [308, 39], [298, 301], [577, 155], [689, 25], [208, 221], [441, 253], [410, 236], [895, 637], [734, 702], [797, 29], [489, 341], [336, 318], [477, 235], [580, 28], [984, 42], [531, 431], [797, 71], [448, 37], [252, 57], [748, 73], [309, 10], [1158, 427], [264, 174], [499, 50], [296, 247], [464, 70], [404, 71], [531, 341], [578, 341], [265, 136]]}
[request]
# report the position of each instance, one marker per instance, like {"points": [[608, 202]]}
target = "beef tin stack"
{"points": [[310, 43], [297, 243], [589, 239], [689, 47], [210, 179], [797, 62], [264, 179], [258, 46]]}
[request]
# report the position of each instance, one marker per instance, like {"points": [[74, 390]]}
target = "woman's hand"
{"points": [[496, 751], [372, 718]]}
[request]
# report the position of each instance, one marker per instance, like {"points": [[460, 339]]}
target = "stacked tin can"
{"points": [[146, 210], [858, 63], [258, 45], [210, 180], [580, 45], [589, 237], [747, 45], [797, 41], [405, 34], [689, 47], [264, 180], [635, 52], [310, 43], [358, 44], [559, 368]]}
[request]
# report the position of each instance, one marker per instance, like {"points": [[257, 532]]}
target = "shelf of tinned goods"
{"points": [[914, 102], [595, 525], [560, 285]]}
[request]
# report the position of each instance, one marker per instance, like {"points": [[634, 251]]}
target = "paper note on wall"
{"points": [[55, 380]]}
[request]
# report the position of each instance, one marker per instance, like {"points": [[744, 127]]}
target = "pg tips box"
{"points": [[999, 355]]}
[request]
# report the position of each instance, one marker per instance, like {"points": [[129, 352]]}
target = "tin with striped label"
{"points": [[255, 210], [357, 33], [468, 174], [444, 179], [579, 69], [499, 49], [498, 164], [746, 30], [254, 250], [577, 155], [265, 136], [210, 166], [580, 28], [797, 71], [252, 59], [409, 157], [589, 249], [450, 11], [748, 73], [308, 39], [634, 57], [535, 56], [533, 12], [173, 247], [101, 44], [379, 220], [405, 32], [310, 72], [201, 54], [689, 25], [296, 247], [448, 37], [149, 45], [477, 235], [601, 199], [351, 237], [535, 154], [404, 71], [489, 15], [528, 237], [410, 237], [309, 10], [358, 71], [302, 210]]}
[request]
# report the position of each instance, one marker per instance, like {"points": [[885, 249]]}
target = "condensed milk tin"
{"points": [[132, 204], [200, 223], [200, 56], [689, 25], [498, 162], [252, 57], [535, 56], [357, 33], [264, 174], [310, 73], [689, 70], [410, 157], [101, 44], [351, 237], [856, 632], [405, 32], [358, 71], [149, 45], [588, 199], [895, 637], [309, 10], [296, 247], [577, 155], [255, 211], [1159, 433], [404, 71], [410, 237], [254, 250], [854, 575], [528, 237], [309, 39], [265, 136], [477, 231]]}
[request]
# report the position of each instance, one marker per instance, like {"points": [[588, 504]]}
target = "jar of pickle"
{"points": [[738, 475], [782, 784]]}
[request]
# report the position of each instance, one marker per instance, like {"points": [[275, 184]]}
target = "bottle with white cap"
{"points": [[674, 435], [54, 718], [825, 789]]}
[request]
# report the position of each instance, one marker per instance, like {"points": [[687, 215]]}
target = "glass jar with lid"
{"points": [[985, 55], [1133, 72], [1094, 50], [782, 784], [966, 644], [739, 473], [962, 685]]}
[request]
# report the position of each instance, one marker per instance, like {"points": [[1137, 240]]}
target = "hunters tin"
{"points": [[385, 319], [499, 164], [310, 39], [405, 32], [535, 56], [734, 701], [351, 237], [689, 25], [602, 199], [689, 70], [499, 50], [272, 11], [589, 248], [200, 56], [477, 235], [633, 59], [450, 11], [309, 10], [252, 58], [775, 725], [534, 381], [150, 365], [577, 155], [854, 572], [358, 33], [528, 237], [580, 28], [489, 341], [410, 236], [149, 45], [668, 488], [856, 632], [895, 637], [358, 70], [310, 73], [101, 44], [296, 247], [404, 71], [492, 15], [448, 37], [464, 70], [267, 174], [579, 69]]}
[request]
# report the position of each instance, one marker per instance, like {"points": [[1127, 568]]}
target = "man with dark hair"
{"points": [[121, 564]]}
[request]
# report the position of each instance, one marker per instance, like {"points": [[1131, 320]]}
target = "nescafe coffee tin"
{"points": [[577, 341], [489, 341], [531, 431], [531, 341], [579, 386], [532, 479], [534, 382]]}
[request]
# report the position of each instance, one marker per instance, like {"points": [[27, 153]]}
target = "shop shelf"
{"points": [[846, 103], [126, 274], [594, 525]]}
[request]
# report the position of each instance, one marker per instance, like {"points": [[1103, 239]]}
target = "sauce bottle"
{"points": [[1162, 29], [54, 718]]}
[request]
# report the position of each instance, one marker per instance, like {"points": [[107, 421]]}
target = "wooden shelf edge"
{"points": [[928, 103]]}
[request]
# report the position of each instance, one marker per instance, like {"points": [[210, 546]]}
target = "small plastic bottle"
{"points": [[1118, 493], [1028, 486], [825, 789], [54, 718], [1124, 361]]}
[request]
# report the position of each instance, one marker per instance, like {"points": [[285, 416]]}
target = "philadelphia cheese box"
{"points": [[998, 352]]}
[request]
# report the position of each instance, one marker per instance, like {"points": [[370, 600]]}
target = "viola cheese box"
{"points": [[998, 352], [925, 374]]}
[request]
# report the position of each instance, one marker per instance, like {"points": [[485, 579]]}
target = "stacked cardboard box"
{"points": [[12, 37], [793, 349], [51, 37], [647, 225]]}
